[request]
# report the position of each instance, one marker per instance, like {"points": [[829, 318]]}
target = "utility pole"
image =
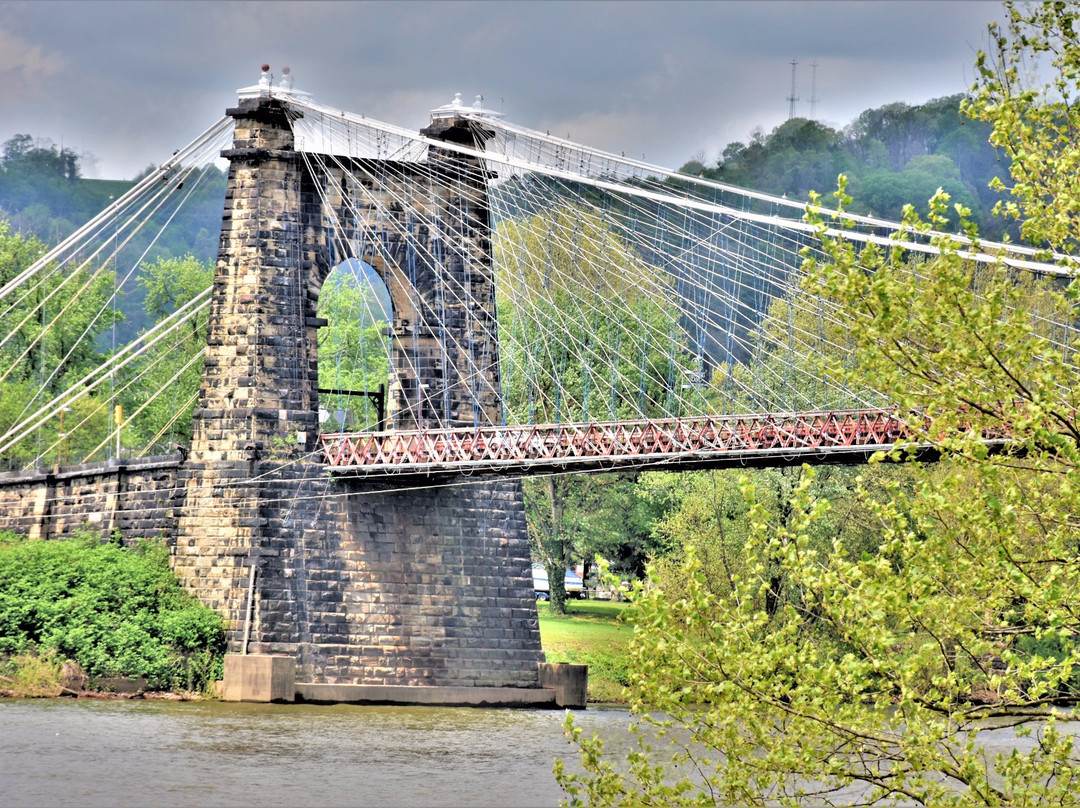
{"points": [[792, 98]]}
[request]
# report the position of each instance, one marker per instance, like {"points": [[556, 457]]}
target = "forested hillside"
{"points": [[44, 195], [893, 155]]}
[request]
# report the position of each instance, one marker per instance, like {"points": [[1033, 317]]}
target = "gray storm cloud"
{"points": [[130, 82]]}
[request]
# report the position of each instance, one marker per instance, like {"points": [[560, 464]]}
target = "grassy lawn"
{"points": [[593, 634]]}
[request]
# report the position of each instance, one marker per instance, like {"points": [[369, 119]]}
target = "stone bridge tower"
{"points": [[360, 583]]}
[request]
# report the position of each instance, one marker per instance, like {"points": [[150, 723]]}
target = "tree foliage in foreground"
{"points": [[882, 674]]}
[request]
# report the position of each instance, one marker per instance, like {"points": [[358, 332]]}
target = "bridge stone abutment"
{"points": [[132, 498], [360, 583]]}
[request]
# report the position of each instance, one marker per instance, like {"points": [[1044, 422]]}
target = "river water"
{"points": [[61, 752], [136, 753]]}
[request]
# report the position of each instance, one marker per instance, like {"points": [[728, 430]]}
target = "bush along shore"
{"points": [[79, 617]]}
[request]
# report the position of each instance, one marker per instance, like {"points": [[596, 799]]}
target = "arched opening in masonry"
{"points": [[354, 349]]}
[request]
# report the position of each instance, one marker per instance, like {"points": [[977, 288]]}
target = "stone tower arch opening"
{"points": [[422, 227], [354, 353]]}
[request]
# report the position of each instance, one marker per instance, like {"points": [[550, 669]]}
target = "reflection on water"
{"points": [[86, 753]]}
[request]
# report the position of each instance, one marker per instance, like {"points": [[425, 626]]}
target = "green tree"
{"points": [[49, 344], [165, 385], [881, 671], [587, 333], [1034, 125], [886, 192], [796, 157], [706, 518]]}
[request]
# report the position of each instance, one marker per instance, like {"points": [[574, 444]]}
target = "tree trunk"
{"points": [[774, 595], [556, 555]]}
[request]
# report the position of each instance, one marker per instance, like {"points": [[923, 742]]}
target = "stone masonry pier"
{"points": [[373, 589], [359, 582]]}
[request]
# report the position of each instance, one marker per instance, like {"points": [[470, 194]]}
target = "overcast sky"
{"points": [[130, 82]]}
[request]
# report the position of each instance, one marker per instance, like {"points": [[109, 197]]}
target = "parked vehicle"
{"points": [[575, 587]]}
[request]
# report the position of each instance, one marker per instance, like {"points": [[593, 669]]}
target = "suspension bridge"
{"points": [[398, 325], [646, 317]]}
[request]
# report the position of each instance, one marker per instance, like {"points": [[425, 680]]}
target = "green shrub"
{"points": [[116, 611]]}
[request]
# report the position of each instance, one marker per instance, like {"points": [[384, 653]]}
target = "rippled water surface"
{"points": [[135, 753], [89, 753]]}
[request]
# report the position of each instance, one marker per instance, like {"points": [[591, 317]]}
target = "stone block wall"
{"points": [[420, 587], [360, 583], [138, 498]]}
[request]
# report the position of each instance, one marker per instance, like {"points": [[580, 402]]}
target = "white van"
{"points": [[575, 587]]}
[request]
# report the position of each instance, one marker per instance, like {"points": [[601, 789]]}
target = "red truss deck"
{"points": [[839, 436]]}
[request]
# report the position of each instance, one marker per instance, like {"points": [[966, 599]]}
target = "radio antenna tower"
{"points": [[792, 98], [813, 90]]}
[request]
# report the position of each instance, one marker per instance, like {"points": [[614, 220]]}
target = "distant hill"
{"points": [[42, 193], [893, 155]]}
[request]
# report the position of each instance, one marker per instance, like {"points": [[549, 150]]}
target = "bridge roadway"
{"points": [[846, 437]]}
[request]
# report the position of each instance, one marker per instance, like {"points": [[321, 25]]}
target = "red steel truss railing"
{"points": [[778, 439]]}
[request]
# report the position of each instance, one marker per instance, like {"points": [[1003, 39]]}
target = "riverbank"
{"points": [[102, 695], [593, 633], [30, 676]]}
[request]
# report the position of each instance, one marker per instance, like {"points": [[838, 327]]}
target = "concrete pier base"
{"points": [[259, 677], [570, 682], [266, 678], [317, 693]]}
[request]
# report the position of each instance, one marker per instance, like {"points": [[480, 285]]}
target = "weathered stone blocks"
{"points": [[358, 583], [135, 498]]}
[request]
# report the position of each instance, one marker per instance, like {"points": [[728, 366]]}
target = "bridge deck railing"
{"points": [[617, 443]]}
